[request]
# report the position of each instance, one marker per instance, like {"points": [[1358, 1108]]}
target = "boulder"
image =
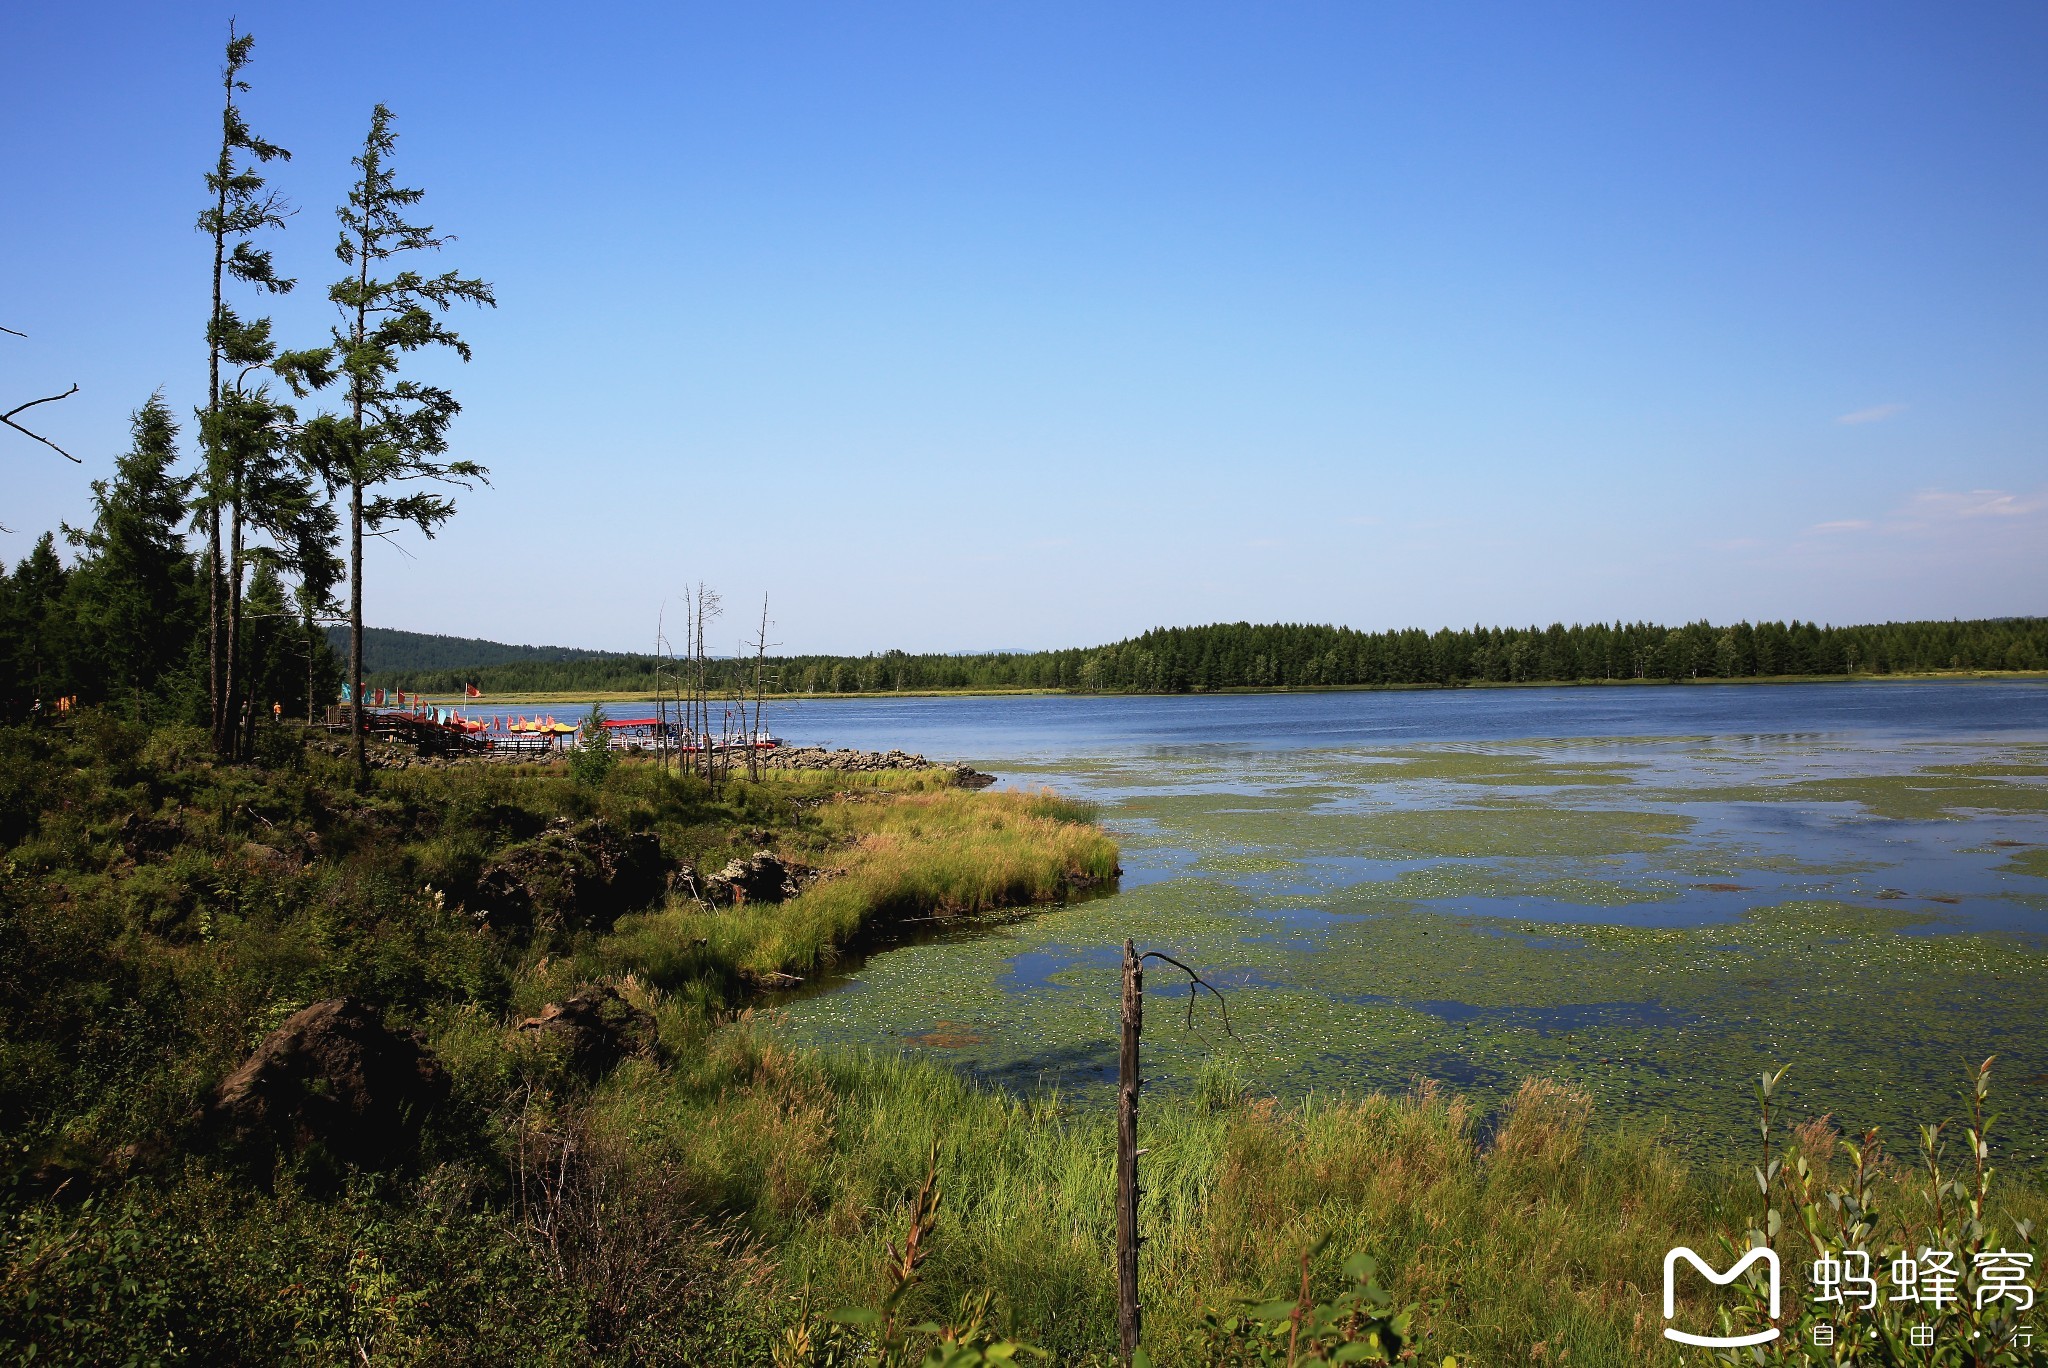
{"points": [[573, 876], [597, 1027], [760, 878], [333, 1075]]}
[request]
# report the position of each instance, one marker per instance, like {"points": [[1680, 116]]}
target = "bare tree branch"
{"points": [[8, 418], [1195, 982]]}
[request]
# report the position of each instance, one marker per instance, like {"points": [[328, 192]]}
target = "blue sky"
{"points": [[953, 326]]}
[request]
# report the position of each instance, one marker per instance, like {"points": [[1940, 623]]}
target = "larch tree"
{"points": [[240, 208], [268, 490], [392, 431]]}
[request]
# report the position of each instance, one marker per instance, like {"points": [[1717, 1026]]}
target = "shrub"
{"points": [[591, 762]]}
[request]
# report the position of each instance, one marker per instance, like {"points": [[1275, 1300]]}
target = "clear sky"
{"points": [[970, 325]]}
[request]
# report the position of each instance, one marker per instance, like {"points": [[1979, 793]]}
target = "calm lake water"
{"points": [[1654, 892]]}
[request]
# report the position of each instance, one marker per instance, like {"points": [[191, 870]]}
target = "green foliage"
{"points": [[205, 1272], [591, 762], [133, 598], [1842, 1196], [160, 913], [394, 431], [1360, 1325]]}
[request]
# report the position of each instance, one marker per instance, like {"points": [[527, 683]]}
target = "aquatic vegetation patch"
{"points": [[2034, 862], [1334, 899], [1492, 879], [1511, 829], [1656, 1022], [1246, 864], [1483, 766], [1924, 796]]}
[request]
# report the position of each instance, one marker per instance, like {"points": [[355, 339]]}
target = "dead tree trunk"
{"points": [[1127, 1321], [753, 729]]}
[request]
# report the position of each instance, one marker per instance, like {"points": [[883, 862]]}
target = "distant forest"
{"points": [[386, 649], [1240, 655]]}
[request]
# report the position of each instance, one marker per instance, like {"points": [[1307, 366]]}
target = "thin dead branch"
{"points": [[1195, 984], [8, 418]]}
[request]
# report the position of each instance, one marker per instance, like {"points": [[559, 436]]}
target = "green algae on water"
{"points": [[1480, 914]]}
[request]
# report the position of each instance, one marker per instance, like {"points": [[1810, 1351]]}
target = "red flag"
{"points": [[472, 691]]}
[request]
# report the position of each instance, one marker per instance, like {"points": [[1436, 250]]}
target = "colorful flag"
{"points": [[345, 694], [472, 691]]}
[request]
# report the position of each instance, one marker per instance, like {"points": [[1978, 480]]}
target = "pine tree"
{"points": [[393, 430], [241, 207], [132, 592], [40, 669]]}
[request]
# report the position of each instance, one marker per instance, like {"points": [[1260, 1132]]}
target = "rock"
{"points": [[598, 1027], [144, 837], [266, 857], [572, 876], [761, 878], [336, 1076], [853, 761]]}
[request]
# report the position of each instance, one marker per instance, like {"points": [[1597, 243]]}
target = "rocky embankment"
{"points": [[386, 755], [866, 762]]}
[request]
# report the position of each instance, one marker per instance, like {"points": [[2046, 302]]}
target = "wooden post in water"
{"points": [[1127, 1154]]}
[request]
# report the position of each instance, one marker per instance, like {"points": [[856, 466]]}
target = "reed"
{"points": [[1530, 1235]]}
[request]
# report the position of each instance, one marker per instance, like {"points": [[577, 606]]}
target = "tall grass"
{"points": [[918, 855], [1542, 1242]]}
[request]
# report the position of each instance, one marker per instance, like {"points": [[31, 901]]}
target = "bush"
{"points": [[591, 762]]}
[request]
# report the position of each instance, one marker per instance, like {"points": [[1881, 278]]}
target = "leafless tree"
{"points": [[760, 645]]}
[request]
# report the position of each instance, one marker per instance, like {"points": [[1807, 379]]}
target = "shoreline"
{"points": [[542, 699]]}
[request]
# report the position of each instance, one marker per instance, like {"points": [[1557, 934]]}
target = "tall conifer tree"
{"points": [[267, 490], [132, 590], [241, 207], [393, 430]]}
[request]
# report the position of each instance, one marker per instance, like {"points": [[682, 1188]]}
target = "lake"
{"points": [[1655, 892]]}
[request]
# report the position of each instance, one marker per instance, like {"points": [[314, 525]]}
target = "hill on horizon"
{"points": [[386, 648]]}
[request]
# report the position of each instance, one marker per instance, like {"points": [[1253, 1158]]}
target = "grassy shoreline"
{"points": [[1924, 677]]}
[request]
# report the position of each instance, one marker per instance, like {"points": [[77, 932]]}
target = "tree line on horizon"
{"points": [[1288, 655], [278, 502]]}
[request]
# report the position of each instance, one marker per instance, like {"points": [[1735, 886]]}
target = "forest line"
{"points": [[1280, 656]]}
